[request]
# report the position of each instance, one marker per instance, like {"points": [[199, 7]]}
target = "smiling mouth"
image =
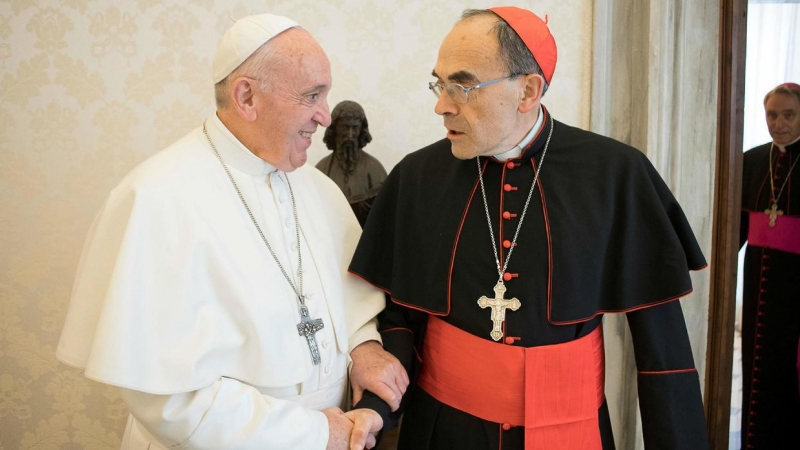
{"points": [[306, 134]]}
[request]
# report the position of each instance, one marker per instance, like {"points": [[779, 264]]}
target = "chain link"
{"points": [[297, 291], [502, 271], [771, 177]]}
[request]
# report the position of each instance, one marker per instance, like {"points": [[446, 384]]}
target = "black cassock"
{"points": [[771, 313], [602, 234]]}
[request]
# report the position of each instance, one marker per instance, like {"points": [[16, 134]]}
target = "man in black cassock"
{"points": [[501, 248], [771, 315]]}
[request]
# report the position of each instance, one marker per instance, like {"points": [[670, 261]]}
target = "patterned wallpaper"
{"points": [[88, 89]]}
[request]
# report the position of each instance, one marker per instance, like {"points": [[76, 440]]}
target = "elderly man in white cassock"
{"points": [[213, 286]]}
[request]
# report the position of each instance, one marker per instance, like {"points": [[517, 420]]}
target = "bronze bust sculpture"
{"points": [[358, 174]]}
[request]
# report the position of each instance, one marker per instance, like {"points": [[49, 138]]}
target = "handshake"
{"points": [[378, 371]]}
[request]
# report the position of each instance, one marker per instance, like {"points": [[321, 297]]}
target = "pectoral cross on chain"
{"points": [[773, 213], [499, 306], [308, 328]]}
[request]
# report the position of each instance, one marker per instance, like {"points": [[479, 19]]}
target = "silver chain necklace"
{"points": [[498, 303], [307, 326], [773, 212]]}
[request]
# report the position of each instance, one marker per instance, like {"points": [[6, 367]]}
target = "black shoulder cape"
{"points": [[616, 238]]}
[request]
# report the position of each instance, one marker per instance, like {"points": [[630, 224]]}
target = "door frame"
{"points": [[727, 207]]}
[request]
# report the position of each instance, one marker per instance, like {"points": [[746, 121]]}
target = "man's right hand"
{"points": [[341, 426]]}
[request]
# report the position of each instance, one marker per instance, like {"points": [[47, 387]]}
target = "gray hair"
{"points": [[253, 67], [514, 55], [782, 89]]}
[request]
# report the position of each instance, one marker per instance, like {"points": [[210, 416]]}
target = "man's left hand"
{"points": [[378, 371]]}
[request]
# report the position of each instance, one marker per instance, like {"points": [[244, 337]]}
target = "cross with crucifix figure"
{"points": [[773, 212], [308, 328], [499, 306]]}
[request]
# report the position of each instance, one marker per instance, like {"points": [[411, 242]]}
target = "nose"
{"points": [[445, 105], [323, 115]]}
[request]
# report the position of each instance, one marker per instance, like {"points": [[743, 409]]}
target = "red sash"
{"points": [[784, 236], [554, 391]]}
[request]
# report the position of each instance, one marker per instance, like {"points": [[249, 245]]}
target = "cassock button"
{"points": [[510, 165], [281, 199], [508, 276], [287, 223], [324, 343], [507, 215], [506, 426], [506, 244], [508, 188], [327, 370], [509, 340]]}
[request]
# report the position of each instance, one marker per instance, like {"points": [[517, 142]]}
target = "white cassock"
{"points": [[178, 301]]}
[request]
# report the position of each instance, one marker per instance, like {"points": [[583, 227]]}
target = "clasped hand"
{"points": [[378, 371], [352, 430]]}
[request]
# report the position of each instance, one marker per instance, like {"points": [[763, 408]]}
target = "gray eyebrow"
{"points": [[462, 76]]}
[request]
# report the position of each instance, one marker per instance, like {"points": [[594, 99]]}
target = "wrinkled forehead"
{"points": [[469, 53]]}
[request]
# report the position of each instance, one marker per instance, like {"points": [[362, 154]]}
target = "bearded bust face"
{"points": [[348, 131]]}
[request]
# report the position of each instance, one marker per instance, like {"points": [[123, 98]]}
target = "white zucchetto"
{"points": [[245, 37]]}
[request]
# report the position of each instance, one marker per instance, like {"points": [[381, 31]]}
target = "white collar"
{"points": [[233, 152], [782, 148], [517, 150]]}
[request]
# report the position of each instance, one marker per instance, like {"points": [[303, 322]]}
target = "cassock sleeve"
{"points": [[669, 389], [227, 415], [400, 328]]}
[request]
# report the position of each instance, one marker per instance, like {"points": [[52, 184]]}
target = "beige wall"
{"points": [[89, 89]]}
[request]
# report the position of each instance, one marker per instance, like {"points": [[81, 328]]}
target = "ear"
{"points": [[532, 90], [243, 98]]}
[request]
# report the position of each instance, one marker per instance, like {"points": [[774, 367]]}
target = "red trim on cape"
{"points": [[620, 311], [455, 243], [667, 372]]}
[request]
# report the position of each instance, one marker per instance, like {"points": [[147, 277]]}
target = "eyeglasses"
{"points": [[459, 93]]}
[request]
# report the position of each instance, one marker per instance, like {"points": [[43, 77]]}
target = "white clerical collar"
{"points": [[782, 148], [233, 152], [517, 150]]}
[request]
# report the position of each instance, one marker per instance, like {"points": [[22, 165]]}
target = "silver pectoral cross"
{"points": [[773, 212], [499, 306], [308, 328]]}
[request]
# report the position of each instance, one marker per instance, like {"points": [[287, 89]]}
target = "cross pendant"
{"points": [[308, 328], [773, 212], [499, 306]]}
